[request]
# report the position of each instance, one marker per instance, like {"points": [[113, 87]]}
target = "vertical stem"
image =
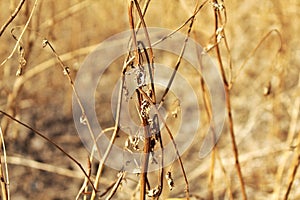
{"points": [[143, 178], [228, 105], [145, 162]]}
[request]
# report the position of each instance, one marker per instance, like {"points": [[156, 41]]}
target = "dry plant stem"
{"points": [[179, 58], [84, 187], [173, 142], [116, 128], [149, 57], [14, 160], [66, 13], [155, 118], [4, 171], [294, 168], [295, 163], [143, 177], [146, 4], [31, 73], [91, 157], [114, 135], [4, 189], [208, 110], [211, 173], [22, 33], [144, 120], [191, 19], [138, 26], [51, 142], [228, 105], [227, 178], [148, 41], [170, 34], [145, 162], [180, 27], [12, 17], [67, 73], [230, 81], [133, 35], [107, 189], [252, 53], [296, 159], [116, 186], [87, 181]]}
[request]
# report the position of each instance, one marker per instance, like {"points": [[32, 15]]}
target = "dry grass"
{"points": [[257, 156]]}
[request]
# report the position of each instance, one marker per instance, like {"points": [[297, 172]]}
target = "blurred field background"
{"points": [[265, 96]]}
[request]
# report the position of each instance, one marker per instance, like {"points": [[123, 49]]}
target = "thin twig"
{"points": [[12, 17], [91, 157], [26, 162], [105, 156], [228, 104], [51, 142], [296, 159], [4, 171], [181, 54], [173, 142], [115, 132], [118, 110], [251, 54], [66, 72], [295, 164], [227, 178], [22, 33], [115, 187], [208, 110], [66, 13]]}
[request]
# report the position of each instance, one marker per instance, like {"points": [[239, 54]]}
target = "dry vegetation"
{"points": [[258, 154]]}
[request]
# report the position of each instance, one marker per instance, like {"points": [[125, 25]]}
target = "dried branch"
{"points": [[227, 96], [51, 142], [4, 171], [22, 33], [12, 17]]}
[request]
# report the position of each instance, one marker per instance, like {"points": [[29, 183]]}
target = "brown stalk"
{"points": [[67, 73], [91, 157], [30, 163], [143, 177], [173, 142], [227, 178], [116, 127], [22, 33], [228, 105], [151, 61], [144, 120], [294, 168], [12, 17], [208, 110], [296, 159], [155, 119], [145, 162], [114, 135], [51, 142], [181, 26], [129, 60], [4, 183], [116, 186], [192, 18], [31, 73]]}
